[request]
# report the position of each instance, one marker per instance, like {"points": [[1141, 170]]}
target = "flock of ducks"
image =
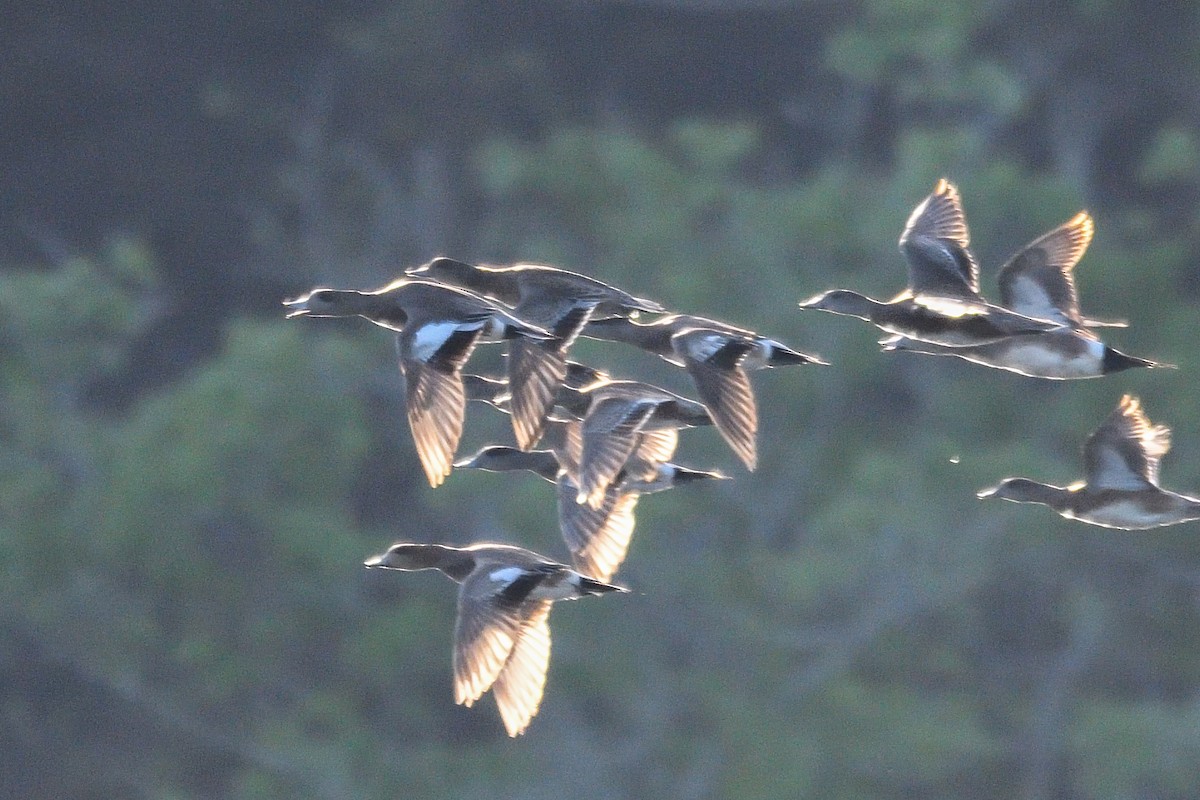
{"points": [[604, 442]]}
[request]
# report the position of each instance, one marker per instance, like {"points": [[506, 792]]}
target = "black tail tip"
{"points": [[1116, 361], [592, 586]]}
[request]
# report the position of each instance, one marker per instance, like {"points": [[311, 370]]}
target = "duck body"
{"points": [[942, 304], [1121, 509], [542, 291], [407, 302], [942, 321], [676, 338], [1060, 354], [501, 631], [1120, 489]]}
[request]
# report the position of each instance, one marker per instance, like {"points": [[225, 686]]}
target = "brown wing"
{"points": [[431, 358], [485, 634], [597, 537], [935, 242], [436, 407], [610, 433], [519, 686], [730, 401], [1039, 280], [654, 447], [1124, 452], [536, 370], [570, 450]]}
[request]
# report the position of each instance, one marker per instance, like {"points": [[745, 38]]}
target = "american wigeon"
{"points": [[1120, 489], [501, 633], [942, 304], [1038, 282], [718, 357], [555, 299], [619, 419], [438, 328], [598, 538]]}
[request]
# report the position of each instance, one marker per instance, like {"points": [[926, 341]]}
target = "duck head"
{"points": [[443, 270], [840, 301], [410, 556], [1019, 490], [323, 302]]}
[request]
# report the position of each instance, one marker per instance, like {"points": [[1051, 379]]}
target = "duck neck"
{"points": [[454, 562], [374, 306], [855, 305], [654, 338], [1027, 491], [540, 462]]}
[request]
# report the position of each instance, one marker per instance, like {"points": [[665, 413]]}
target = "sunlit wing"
{"points": [[484, 636], [936, 242], [519, 687], [1125, 451], [536, 370], [609, 436], [730, 400], [1039, 280]]}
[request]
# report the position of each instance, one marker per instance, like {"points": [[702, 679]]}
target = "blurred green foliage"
{"points": [[184, 611]]}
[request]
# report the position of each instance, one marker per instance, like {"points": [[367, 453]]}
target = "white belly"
{"points": [[1125, 515], [1039, 362]]}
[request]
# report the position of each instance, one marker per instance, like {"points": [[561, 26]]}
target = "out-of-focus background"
{"points": [[189, 483]]}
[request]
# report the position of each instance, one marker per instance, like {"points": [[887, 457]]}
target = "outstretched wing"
{"points": [[522, 680], [610, 434], [1125, 451], [598, 538], [436, 402], [935, 242], [536, 370], [1039, 280]]}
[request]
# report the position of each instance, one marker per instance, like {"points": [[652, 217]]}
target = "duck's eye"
{"points": [[324, 295]]}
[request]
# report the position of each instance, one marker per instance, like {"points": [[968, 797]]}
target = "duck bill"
{"points": [[297, 307], [686, 475], [816, 301]]}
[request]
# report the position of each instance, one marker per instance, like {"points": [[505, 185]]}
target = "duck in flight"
{"points": [[1120, 487], [718, 358], [942, 304], [437, 329], [1039, 282], [501, 631], [554, 299]]}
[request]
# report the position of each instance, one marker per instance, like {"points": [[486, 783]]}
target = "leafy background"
{"points": [[188, 483]]}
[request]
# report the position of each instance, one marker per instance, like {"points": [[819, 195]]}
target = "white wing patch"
{"points": [[704, 347], [428, 339], [1031, 299], [505, 575]]}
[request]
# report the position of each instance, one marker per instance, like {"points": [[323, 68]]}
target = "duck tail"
{"points": [[587, 586], [782, 356], [525, 330], [1116, 361]]}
